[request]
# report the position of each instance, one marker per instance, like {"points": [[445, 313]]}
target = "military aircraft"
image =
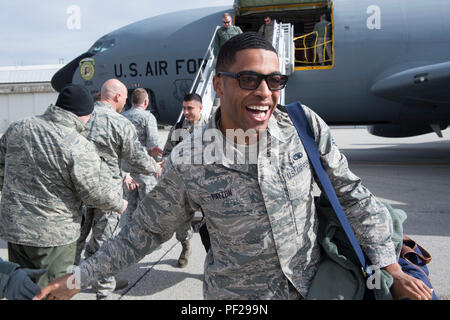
{"points": [[389, 68]]}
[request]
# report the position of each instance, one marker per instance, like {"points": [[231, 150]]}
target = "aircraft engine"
{"points": [[401, 131]]}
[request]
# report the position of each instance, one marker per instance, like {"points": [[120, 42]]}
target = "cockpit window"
{"points": [[102, 45]]}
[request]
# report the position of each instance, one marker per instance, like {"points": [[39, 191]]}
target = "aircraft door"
{"points": [[313, 28], [314, 42], [151, 105]]}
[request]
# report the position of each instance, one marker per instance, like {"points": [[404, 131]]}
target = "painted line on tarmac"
{"points": [[146, 272]]}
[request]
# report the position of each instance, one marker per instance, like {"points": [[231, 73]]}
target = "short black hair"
{"points": [[192, 97], [243, 41]]}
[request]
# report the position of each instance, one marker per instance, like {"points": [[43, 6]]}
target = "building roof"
{"points": [[28, 74]]}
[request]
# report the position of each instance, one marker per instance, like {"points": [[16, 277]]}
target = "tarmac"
{"points": [[412, 174]]}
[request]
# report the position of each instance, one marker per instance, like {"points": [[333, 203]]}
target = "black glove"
{"points": [[20, 286]]}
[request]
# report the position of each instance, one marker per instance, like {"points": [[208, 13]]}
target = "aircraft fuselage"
{"points": [[372, 41]]}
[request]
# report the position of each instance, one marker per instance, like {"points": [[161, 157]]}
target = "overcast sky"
{"points": [[45, 31]]}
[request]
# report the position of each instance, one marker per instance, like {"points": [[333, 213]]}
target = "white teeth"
{"points": [[259, 108]]}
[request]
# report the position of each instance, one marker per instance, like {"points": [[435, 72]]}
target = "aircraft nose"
{"points": [[64, 76]]}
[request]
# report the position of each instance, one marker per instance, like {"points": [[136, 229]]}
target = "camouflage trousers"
{"points": [[320, 50], [103, 225], [86, 225], [184, 233]]}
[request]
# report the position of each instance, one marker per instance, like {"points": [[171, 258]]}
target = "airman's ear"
{"points": [[218, 85]]}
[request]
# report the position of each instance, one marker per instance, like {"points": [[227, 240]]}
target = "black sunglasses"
{"points": [[250, 80]]}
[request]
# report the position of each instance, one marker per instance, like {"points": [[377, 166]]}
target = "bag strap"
{"points": [[298, 117]]}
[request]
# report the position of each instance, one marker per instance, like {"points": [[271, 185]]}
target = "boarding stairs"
{"points": [[282, 41], [203, 82]]}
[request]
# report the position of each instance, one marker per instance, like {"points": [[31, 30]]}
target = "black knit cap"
{"points": [[76, 99]]}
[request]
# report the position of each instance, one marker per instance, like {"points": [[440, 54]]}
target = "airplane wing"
{"points": [[426, 85]]}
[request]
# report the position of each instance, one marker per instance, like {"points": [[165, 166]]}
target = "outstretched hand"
{"points": [[155, 151], [125, 206], [63, 288], [161, 165]]}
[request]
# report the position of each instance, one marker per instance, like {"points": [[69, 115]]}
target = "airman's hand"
{"points": [[155, 151], [160, 164], [125, 206], [408, 287], [63, 288], [130, 183]]}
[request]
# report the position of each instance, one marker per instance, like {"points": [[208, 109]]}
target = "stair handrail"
{"points": [[204, 77], [282, 41], [316, 47]]}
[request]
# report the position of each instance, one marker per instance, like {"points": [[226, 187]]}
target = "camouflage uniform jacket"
{"points": [[47, 168], [145, 124], [174, 138], [223, 35], [115, 138], [261, 217], [147, 131]]}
